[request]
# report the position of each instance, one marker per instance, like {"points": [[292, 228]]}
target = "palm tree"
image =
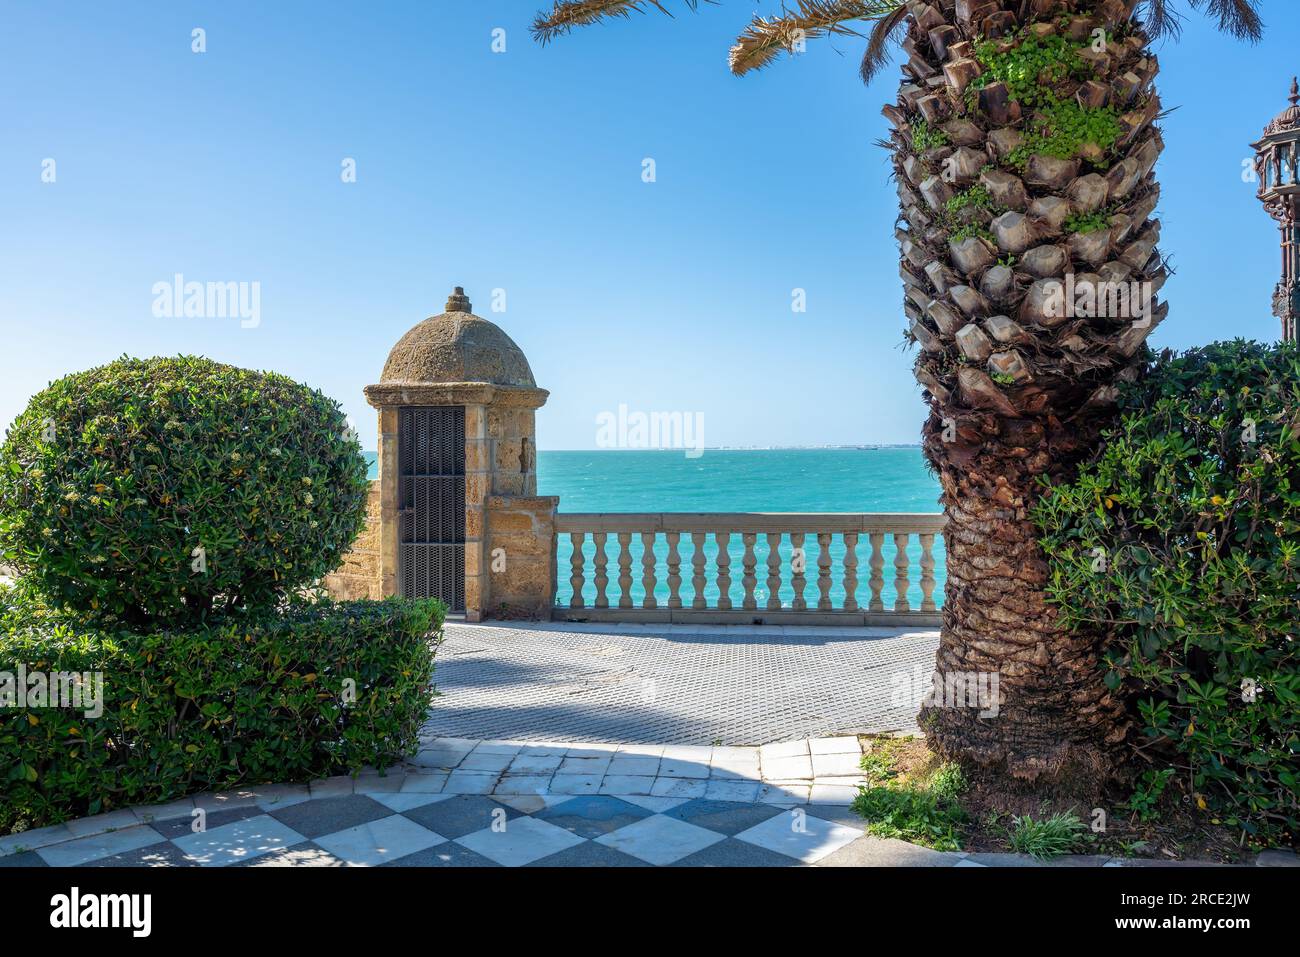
{"points": [[1024, 141]]}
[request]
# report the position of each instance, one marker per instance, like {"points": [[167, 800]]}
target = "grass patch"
{"points": [[1051, 837], [910, 799]]}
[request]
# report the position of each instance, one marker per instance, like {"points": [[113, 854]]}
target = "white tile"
{"points": [[523, 784], [522, 841], [800, 835], [746, 791], [735, 768], [840, 794], [494, 746], [238, 841], [642, 750], [424, 783], [470, 782], [531, 803], [112, 821], [783, 794], [373, 783], [375, 842], [486, 761], [525, 763], [978, 864], [439, 759], [686, 761], [841, 745], [544, 750], [572, 765], [93, 847], [34, 838], [840, 765], [165, 812], [679, 787], [786, 749], [634, 764], [282, 795], [408, 800], [659, 840], [576, 783], [599, 751], [225, 800], [627, 784], [454, 744], [784, 769]]}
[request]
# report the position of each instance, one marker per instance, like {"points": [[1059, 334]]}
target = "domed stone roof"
{"points": [[457, 346]]}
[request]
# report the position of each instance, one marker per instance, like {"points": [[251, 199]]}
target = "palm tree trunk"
{"points": [[1003, 217]]}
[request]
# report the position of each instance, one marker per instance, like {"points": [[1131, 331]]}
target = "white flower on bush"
{"points": [[308, 499], [71, 496], [306, 480], [275, 452]]}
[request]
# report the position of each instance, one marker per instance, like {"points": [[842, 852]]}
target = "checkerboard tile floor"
{"points": [[469, 830]]}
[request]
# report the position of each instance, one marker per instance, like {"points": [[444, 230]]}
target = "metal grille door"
{"points": [[431, 454]]}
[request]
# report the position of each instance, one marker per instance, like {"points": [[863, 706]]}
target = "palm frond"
{"points": [[766, 37], [1238, 18], [877, 52], [567, 14], [1161, 19]]}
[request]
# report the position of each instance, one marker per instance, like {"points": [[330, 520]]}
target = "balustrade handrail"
{"points": [[810, 582], [749, 521]]}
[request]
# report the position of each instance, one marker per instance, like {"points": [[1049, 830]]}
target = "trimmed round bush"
{"points": [[157, 488], [1180, 543]]}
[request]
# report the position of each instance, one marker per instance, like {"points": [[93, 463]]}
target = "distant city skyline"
{"points": [[330, 173]]}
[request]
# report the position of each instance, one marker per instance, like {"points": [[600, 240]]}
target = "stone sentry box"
{"points": [[453, 371]]}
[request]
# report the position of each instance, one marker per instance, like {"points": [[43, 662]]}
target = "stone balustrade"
{"points": [[749, 567]]}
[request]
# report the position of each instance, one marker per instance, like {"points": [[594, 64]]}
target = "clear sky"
{"points": [[522, 171]]}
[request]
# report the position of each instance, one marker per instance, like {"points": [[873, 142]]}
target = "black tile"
{"points": [[448, 854], [589, 854], [461, 815], [723, 817], [327, 815], [175, 827], [592, 815], [23, 859], [734, 853]]}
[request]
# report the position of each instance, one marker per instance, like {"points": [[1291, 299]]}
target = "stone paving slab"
{"points": [[676, 684]]}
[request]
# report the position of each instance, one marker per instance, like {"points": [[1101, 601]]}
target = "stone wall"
{"points": [[520, 556], [358, 576]]}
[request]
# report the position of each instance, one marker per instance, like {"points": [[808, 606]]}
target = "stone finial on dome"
{"points": [[458, 301]]}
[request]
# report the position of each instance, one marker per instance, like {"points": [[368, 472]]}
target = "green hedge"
{"points": [[1181, 543], [244, 700], [112, 479]]}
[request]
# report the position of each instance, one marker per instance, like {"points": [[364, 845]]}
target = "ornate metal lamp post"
{"points": [[1277, 165]]}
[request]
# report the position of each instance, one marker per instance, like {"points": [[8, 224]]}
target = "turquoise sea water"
{"points": [[760, 480]]}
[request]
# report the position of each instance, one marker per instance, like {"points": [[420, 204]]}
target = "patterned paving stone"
{"points": [[238, 841], [734, 853], [470, 782], [551, 682], [521, 841], [800, 835], [447, 854], [165, 854], [377, 842], [659, 840], [408, 800], [179, 826], [23, 859], [725, 817], [589, 854], [306, 854], [84, 849], [315, 818], [592, 816], [461, 815]]}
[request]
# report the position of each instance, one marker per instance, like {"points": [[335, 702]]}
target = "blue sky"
{"points": [[522, 171]]}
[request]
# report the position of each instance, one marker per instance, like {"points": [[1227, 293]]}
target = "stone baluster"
{"points": [[674, 570], [824, 571], [900, 572], [798, 563], [602, 579], [850, 571], [773, 570], [877, 580], [723, 540], [748, 578], [927, 572], [625, 569], [576, 579], [697, 563], [648, 569]]}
